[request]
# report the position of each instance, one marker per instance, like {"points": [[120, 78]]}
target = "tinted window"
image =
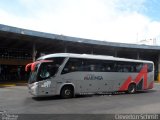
{"points": [[124, 67], [73, 65], [128, 66], [92, 65], [89, 65], [150, 67], [98, 65], [138, 66]]}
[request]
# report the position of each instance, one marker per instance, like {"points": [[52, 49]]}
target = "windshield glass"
{"points": [[45, 69]]}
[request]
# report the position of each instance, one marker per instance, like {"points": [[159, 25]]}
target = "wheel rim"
{"points": [[132, 89], [67, 92]]}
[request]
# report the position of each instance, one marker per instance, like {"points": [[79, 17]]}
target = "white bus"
{"points": [[68, 74]]}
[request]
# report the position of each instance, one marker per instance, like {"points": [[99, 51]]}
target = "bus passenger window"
{"points": [[92, 68], [67, 69], [123, 67], [72, 65], [150, 67], [139, 67]]}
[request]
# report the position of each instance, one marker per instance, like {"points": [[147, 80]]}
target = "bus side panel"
{"points": [[91, 82], [123, 80]]}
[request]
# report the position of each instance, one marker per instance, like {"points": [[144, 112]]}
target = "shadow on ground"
{"points": [[85, 96]]}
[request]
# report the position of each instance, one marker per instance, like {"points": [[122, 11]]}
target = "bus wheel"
{"points": [[67, 92], [131, 88]]}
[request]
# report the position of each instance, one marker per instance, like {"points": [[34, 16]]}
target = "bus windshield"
{"points": [[45, 69]]}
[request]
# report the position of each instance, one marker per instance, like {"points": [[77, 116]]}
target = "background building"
{"points": [[20, 46]]}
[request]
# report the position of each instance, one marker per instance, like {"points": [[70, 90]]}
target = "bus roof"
{"points": [[90, 56]]}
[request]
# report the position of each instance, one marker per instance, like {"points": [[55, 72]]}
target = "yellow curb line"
{"points": [[7, 85], [156, 81]]}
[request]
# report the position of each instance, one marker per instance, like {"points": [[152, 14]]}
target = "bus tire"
{"points": [[67, 92], [131, 88]]}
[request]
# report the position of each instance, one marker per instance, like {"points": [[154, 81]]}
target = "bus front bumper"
{"points": [[33, 89]]}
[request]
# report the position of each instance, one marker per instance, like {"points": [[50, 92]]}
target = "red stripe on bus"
{"points": [[125, 84], [142, 74]]}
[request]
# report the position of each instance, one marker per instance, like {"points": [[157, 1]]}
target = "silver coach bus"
{"points": [[68, 74]]}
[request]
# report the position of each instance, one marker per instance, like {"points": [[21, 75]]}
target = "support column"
{"points": [[65, 49], [92, 51], [115, 53], [138, 56], [158, 78], [34, 52]]}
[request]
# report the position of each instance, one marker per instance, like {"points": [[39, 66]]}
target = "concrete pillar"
{"points": [[65, 49], [34, 52], [158, 68], [115, 53], [92, 51], [138, 56]]}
